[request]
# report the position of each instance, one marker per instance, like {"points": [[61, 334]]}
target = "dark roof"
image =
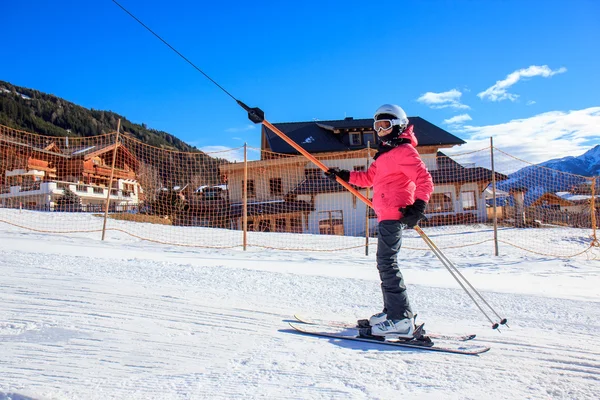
{"points": [[464, 175], [449, 171], [317, 136], [271, 207], [316, 186]]}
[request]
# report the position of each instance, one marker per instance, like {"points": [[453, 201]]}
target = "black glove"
{"points": [[411, 215], [342, 173]]}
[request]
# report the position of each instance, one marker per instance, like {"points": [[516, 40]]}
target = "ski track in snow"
{"points": [[84, 320]]}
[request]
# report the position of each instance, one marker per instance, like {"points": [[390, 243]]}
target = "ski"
{"points": [[354, 325], [353, 334]]}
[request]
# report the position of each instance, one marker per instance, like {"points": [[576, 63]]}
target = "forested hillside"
{"points": [[33, 111]]}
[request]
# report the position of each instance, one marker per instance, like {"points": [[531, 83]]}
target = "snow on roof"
{"points": [[83, 150], [202, 188], [573, 197], [499, 193]]}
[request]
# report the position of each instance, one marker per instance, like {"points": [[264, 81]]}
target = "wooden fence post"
{"points": [[245, 200], [593, 209], [494, 197], [112, 175]]}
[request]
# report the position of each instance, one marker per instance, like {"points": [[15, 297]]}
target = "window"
{"points": [[369, 137], [275, 186], [211, 193], [280, 225], [331, 222], [355, 139], [469, 201], [313, 173], [264, 226], [440, 202], [251, 190], [295, 225], [127, 189]]}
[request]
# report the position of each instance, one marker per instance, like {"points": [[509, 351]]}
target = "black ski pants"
{"points": [[395, 298]]}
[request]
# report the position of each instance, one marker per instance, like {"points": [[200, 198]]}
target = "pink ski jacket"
{"points": [[398, 178]]}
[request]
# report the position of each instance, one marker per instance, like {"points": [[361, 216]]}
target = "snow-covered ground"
{"points": [[127, 319]]}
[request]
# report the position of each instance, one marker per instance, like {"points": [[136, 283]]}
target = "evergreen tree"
{"points": [[168, 202], [69, 201]]}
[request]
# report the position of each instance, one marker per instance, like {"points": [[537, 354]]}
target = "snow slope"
{"points": [[86, 319]]}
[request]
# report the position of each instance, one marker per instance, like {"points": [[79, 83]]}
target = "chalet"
{"points": [[35, 177], [288, 193], [554, 201]]}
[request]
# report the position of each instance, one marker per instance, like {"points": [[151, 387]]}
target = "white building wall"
{"points": [[430, 161], [481, 211], [354, 213], [49, 192]]}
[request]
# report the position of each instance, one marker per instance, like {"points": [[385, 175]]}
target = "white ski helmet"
{"points": [[399, 116]]}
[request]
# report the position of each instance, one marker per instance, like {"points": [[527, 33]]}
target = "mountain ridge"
{"points": [[587, 164], [571, 173], [46, 114]]}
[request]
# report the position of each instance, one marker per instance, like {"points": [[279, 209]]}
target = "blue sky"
{"points": [[525, 72]]}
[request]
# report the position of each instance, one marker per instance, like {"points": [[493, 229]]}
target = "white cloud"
{"points": [[531, 102], [458, 119], [554, 134], [447, 99], [246, 128], [498, 92]]}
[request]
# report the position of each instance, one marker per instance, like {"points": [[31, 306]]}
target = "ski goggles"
{"points": [[384, 124]]}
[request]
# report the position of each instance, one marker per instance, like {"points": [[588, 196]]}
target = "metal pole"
{"points": [[245, 200], [494, 197], [112, 175], [594, 222], [368, 209]]}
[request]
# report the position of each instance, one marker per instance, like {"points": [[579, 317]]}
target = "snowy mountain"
{"points": [[556, 175], [587, 164]]}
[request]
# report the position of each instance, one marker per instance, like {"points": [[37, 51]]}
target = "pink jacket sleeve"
{"points": [[414, 168], [363, 179]]}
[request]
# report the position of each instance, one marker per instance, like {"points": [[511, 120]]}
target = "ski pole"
{"points": [[453, 269], [450, 264]]}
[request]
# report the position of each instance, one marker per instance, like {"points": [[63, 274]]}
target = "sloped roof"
{"points": [[464, 175], [53, 148], [450, 171], [574, 197], [317, 186], [93, 151], [32, 148], [318, 136]]}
